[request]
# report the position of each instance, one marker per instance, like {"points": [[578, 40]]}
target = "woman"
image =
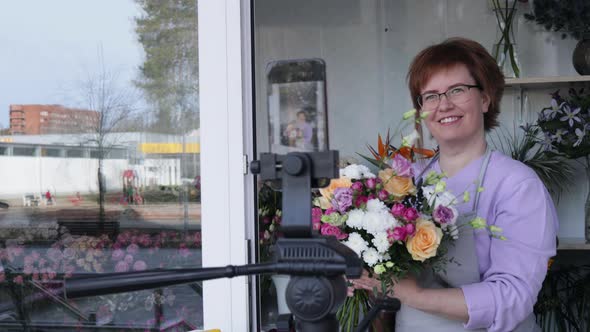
{"points": [[496, 282]]}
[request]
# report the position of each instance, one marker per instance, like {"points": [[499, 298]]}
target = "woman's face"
{"points": [[456, 123]]}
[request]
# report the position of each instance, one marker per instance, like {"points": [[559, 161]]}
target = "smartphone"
{"points": [[297, 105]]}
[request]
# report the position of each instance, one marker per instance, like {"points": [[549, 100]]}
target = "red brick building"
{"points": [[51, 119]]}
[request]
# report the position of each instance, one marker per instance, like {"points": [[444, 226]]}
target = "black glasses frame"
{"points": [[469, 86]]}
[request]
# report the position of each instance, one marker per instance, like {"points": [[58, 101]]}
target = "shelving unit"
{"points": [[570, 243], [546, 82]]}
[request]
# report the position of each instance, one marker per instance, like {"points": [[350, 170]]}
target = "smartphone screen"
{"points": [[296, 96]]}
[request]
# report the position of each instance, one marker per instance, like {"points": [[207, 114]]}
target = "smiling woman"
{"points": [[460, 86]]}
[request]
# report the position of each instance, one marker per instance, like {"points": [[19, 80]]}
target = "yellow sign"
{"points": [[6, 139], [169, 148]]}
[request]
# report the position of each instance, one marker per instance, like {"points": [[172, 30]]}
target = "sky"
{"points": [[48, 46]]}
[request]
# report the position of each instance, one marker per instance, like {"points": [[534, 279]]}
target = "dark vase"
{"points": [[581, 57]]}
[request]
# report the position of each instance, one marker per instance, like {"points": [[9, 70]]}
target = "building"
{"points": [[51, 119]]}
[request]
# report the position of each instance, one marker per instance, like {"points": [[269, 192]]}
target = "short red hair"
{"points": [[459, 51]]}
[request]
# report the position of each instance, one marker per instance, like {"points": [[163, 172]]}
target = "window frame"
{"points": [[227, 211]]}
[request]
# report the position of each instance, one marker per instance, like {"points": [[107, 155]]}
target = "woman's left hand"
{"points": [[403, 289]]}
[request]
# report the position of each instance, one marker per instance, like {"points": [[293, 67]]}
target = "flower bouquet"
{"points": [[396, 224]]}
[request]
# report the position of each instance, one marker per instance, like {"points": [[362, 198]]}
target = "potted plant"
{"points": [[570, 17]]}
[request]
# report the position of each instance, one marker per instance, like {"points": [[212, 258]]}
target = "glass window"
{"points": [[23, 151], [74, 153], [123, 77], [48, 152]]}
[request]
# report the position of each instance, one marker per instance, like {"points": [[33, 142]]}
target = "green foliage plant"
{"points": [[570, 17]]}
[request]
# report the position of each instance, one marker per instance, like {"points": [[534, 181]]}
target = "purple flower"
{"points": [[342, 199], [139, 266], [411, 214], [383, 195], [443, 214], [398, 210], [402, 166], [357, 186], [331, 230], [371, 182], [121, 267]]}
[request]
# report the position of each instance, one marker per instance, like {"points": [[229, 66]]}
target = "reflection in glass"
{"points": [[100, 166]]}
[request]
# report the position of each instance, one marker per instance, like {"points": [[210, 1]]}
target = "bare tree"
{"points": [[115, 104]]}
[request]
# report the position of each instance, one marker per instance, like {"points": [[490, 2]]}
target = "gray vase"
{"points": [[581, 57]]}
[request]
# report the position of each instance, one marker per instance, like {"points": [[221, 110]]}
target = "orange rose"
{"points": [[328, 192], [425, 241], [398, 186]]}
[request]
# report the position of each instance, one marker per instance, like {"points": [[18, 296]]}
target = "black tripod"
{"points": [[317, 265]]}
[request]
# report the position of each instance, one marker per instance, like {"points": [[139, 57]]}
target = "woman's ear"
{"points": [[485, 101]]}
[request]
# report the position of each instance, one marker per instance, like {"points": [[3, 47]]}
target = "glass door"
{"points": [[101, 164]]}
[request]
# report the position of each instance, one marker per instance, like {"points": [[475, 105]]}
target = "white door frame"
{"points": [[225, 111]]}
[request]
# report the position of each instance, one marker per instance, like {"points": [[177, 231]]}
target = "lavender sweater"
{"points": [[512, 270]]}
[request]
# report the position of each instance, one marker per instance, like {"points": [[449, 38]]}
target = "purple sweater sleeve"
{"points": [[518, 265]]}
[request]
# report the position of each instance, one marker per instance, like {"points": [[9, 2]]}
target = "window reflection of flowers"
{"points": [[25, 259], [269, 220]]}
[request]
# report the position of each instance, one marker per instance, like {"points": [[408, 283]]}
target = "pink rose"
{"points": [[117, 255], [410, 229], [361, 200], [411, 214], [133, 249], [139, 266], [121, 266], [398, 210], [398, 234], [357, 186], [370, 183], [383, 195], [331, 230], [128, 259]]}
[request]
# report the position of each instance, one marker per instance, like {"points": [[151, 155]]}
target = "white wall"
{"points": [[368, 45], [19, 175]]}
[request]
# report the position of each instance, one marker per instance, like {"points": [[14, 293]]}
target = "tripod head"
{"points": [[312, 297]]}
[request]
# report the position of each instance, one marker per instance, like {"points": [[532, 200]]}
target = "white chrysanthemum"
{"points": [[366, 172], [381, 242], [375, 205], [356, 243], [356, 172], [355, 218], [371, 257], [378, 222]]}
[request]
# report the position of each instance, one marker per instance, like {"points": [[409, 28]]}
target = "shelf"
{"points": [[546, 82], [573, 243]]}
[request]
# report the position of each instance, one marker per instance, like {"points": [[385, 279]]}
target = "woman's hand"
{"points": [[403, 289]]}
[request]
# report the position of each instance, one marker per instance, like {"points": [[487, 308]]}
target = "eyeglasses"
{"points": [[459, 94]]}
